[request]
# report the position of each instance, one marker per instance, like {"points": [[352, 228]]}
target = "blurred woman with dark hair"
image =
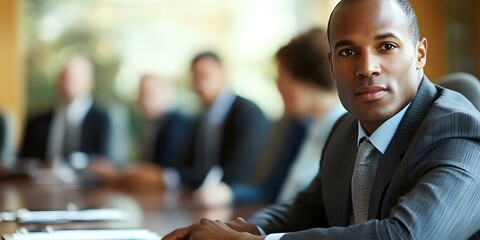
{"points": [[310, 95]]}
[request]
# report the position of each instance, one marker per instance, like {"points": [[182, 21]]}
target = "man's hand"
{"points": [[211, 230], [240, 225], [105, 170], [181, 233]]}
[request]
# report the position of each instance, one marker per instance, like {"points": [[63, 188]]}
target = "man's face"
{"points": [[155, 96], [208, 79], [373, 60], [75, 80]]}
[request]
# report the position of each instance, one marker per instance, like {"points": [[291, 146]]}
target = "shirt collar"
{"points": [[78, 109], [219, 109], [381, 137]]}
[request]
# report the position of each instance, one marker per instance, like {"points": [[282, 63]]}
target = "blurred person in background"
{"points": [[310, 96], [3, 143], [7, 158], [283, 145], [165, 134], [75, 125], [229, 138]]}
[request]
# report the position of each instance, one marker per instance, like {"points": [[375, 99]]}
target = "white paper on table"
{"points": [[8, 216], [119, 234], [102, 214]]}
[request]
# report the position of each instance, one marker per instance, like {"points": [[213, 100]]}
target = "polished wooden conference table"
{"points": [[158, 211]]}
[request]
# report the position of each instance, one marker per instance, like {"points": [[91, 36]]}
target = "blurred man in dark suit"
{"points": [[230, 134], [75, 125], [165, 134], [166, 128]]}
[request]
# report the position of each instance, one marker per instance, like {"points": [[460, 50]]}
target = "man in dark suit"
{"points": [[165, 134], [76, 124], [230, 134], [168, 127], [418, 143]]}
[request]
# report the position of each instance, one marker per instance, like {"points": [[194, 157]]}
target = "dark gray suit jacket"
{"points": [[427, 185], [96, 130], [243, 136]]}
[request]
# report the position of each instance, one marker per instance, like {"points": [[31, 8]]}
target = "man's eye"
{"points": [[346, 53], [388, 47]]}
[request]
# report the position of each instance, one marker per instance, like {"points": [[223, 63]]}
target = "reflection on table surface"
{"points": [[160, 211]]}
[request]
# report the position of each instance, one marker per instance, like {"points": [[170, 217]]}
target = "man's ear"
{"points": [[421, 52], [331, 65]]}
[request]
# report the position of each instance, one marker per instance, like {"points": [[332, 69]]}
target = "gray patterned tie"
{"points": [[362, 181]]}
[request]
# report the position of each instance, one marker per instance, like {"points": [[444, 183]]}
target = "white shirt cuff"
{"points": [[262, 232], [171, 178], [275, 236]]}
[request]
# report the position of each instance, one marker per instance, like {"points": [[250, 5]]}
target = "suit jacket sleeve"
{"points": [[297, 214]]}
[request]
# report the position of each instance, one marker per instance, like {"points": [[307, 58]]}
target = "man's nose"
{"points": [[368, 65]]}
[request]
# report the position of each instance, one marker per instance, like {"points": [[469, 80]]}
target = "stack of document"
{"points": [[102, 214], [120, 234]]}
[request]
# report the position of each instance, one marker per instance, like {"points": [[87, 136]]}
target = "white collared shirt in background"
{"points": [[306, 164], [67, 118]]}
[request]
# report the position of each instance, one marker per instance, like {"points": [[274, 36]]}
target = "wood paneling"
{"points": [[11, 82], [431, 18]]}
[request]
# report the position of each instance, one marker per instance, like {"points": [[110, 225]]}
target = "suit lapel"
{"points": [[345, 214], [388, 164], [337, 173]]}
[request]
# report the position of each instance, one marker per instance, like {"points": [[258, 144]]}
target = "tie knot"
{"points": [[364, 151]]}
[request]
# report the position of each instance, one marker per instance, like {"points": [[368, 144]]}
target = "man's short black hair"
{"points": [[407, 10], [206, 55]]}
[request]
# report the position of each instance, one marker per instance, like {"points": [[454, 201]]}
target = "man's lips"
{"points": [[370, 93]]}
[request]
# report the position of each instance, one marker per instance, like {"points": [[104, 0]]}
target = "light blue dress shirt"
{"points": [[380, 138]]}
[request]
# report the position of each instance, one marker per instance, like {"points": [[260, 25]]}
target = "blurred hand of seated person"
{"points": [[217, 195], [104, 170], [142, 177]]}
